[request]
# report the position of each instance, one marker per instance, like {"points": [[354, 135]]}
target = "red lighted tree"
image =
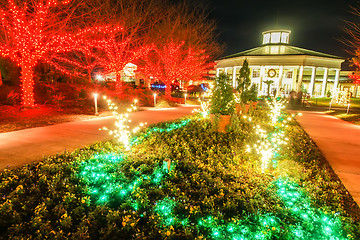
{"points": [[35, 31], [117, 52], [173, 61], [353, 43]]}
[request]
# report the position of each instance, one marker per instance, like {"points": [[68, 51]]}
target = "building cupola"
{"points": [[276, 37]]}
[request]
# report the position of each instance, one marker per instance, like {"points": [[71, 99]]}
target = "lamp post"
{"points": [[154, 99], [135, 102], [185, 98], [95, 101]]}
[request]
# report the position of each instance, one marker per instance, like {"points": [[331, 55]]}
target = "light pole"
{"points": [[154, 99], [185, 98], [135, 103], [95, 101]]}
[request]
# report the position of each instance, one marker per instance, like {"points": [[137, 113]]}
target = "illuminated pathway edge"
{"points": [[339, 142], [106, 182]]}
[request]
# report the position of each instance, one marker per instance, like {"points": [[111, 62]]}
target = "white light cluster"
{"points": [[204, 108], [275, 109], [340, 97], [269, 144], [122, 132], [237, 97]]}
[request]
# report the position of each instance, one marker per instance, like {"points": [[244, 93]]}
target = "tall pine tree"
{"points": [[244, 88]]}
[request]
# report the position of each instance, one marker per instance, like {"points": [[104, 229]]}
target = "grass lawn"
{"points": [[351, 117], [337, 110], [183, 180], [355, 102]]}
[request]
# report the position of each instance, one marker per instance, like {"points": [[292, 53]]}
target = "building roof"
{"points": [[280, 50]]}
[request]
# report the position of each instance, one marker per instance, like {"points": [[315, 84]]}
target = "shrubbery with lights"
{"points": [[264, 179]]}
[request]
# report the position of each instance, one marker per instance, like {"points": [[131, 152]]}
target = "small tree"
{"points": [[244, 88], [222, 100]]}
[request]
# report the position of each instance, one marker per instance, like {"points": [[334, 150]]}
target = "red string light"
{"points": [[114, 53], [173, 61], [356, 78], [30, 36]]}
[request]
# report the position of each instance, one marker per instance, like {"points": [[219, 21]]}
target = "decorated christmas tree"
{"points": [[222, 100]]}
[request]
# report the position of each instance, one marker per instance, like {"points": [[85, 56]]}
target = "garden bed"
{"points": [[181, 180]]}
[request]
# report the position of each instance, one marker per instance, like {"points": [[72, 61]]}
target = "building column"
{"points": [[355, 91], [312, 81], [293, 85], [323, 89], [234, 77], [301, 74], [262, 73], [336, 82], [226, 70], [281, 70], [217, 72]]}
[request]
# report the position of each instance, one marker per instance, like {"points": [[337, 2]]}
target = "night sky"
{"points": [[315, 25]]}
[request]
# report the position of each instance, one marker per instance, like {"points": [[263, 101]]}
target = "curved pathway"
{"points": [[29, 145], [339, 141]]}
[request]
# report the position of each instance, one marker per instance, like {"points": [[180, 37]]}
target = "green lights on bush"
{"points": [[307, 222], [164, 208], [105, 180], [315, 223], [168, 128]]}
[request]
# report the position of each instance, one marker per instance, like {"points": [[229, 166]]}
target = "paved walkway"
{"points": [[339, 141], [29, 145]]}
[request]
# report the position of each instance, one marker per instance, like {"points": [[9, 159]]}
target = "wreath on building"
{"points": [[271, 73]]}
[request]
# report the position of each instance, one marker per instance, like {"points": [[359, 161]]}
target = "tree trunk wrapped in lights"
{"points": [[27, 85]]}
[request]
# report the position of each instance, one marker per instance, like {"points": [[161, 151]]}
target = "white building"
{"points": [[290, 68]]}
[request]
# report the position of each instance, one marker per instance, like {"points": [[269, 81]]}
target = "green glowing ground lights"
{"points": [[105, 181], [169, 127], [303, 221]]}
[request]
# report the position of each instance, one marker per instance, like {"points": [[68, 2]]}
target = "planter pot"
{"points": [[212, 116], [224, 121], [238, 108], [247, 106], [254, 105]]}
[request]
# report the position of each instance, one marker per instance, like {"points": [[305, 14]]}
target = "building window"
{"points": [[289, 74], [266, 38], [275, 37], [284, 37], [256, 73]]}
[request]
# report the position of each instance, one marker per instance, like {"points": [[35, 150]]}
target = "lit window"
{"points": [[256, 73], [266, 38], [275, 37], [284, 37], [289, 74]]}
